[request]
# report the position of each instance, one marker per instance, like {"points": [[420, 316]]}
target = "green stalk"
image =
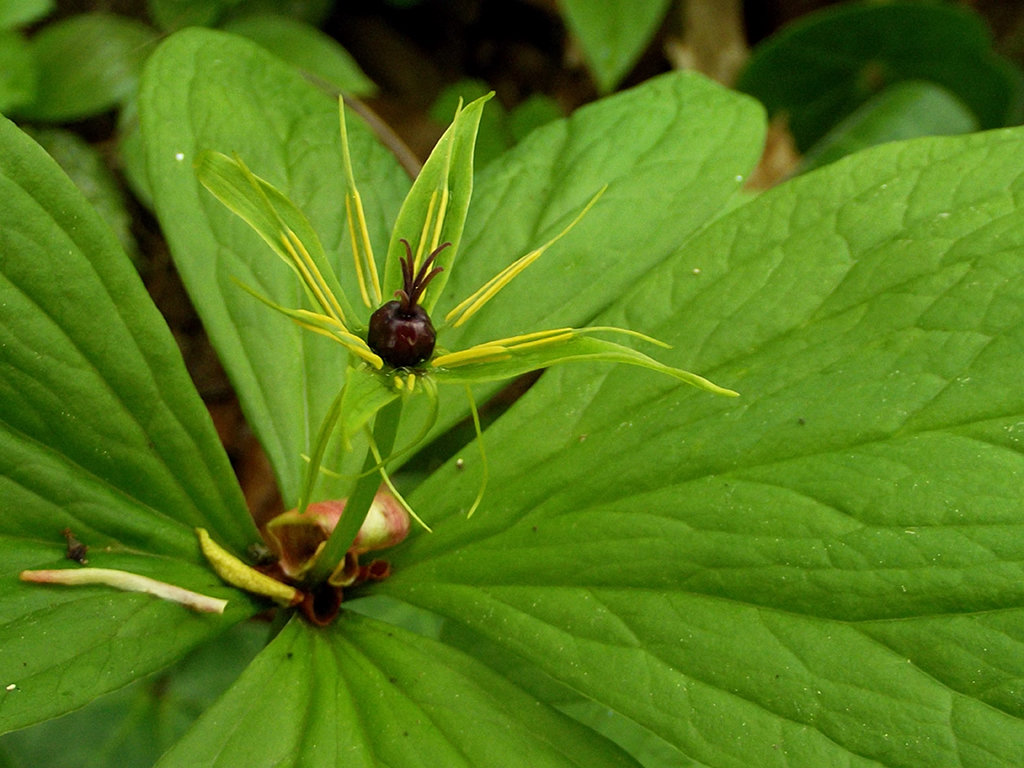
{"points": [[385, 428]]}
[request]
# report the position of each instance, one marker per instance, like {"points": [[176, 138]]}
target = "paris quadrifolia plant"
{"points": [[395, 338]]}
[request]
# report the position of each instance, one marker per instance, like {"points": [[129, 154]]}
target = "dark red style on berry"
{"points": [[401, 331]]}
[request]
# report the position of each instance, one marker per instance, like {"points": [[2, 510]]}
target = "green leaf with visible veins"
{"points": [[102, 432], [824, 571], [364, 693]]}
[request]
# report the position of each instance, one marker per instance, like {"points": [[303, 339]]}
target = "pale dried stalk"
{"points": [[129, 582]]}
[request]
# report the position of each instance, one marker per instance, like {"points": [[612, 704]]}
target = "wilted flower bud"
{"points": [[297, 540]]}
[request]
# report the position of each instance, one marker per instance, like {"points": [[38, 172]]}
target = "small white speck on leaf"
{"points": [[179, 156]]}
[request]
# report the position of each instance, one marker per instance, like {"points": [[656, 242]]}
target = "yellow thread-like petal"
{"points": [[310, 275], [627, 332], [470, 306], [421, 243], [439, 222], [333, 307], [367, 252], [362, 250], [360, 277], [501, 349], [353, 344], [486, 474], [330, 328], [391, 487], [523, 337]]}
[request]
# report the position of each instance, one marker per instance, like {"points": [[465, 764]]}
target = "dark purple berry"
{"points": [[401, 331], [403, 338]]}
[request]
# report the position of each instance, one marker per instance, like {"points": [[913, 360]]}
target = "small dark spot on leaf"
{"points": [[289, 655], [392, 680], [801, 421], [534, 528]]}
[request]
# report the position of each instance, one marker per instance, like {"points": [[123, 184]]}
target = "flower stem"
{"points": [[385, 428]]}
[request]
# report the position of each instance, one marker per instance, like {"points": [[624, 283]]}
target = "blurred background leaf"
{"points": [[822, 67]]}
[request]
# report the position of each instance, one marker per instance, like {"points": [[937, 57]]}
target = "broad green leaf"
{"points": [[170, 15], [307, 48], [435, 210], [613, 33], [87, 64], [86, 167], [904, 110], [365, 693], [826, 571], [314, 12], [205, 90], [15, 13], [18, 71], [672, 152], [132, 727], [102, 432], [821, 68]]}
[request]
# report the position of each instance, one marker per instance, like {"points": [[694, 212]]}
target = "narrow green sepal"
{"points": [[280, 223], [503, 361], [434, 212]]}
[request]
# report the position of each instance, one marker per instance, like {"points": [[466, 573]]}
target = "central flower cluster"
{"points": [[401, 331]]}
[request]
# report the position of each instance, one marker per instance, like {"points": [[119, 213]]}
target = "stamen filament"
{"points": [[352, 343], [311, 275], [325, 326], [524, 337], [470, 306], [424, 233], [541, 342], [478, 354], [362, 250], [439, 222]]}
